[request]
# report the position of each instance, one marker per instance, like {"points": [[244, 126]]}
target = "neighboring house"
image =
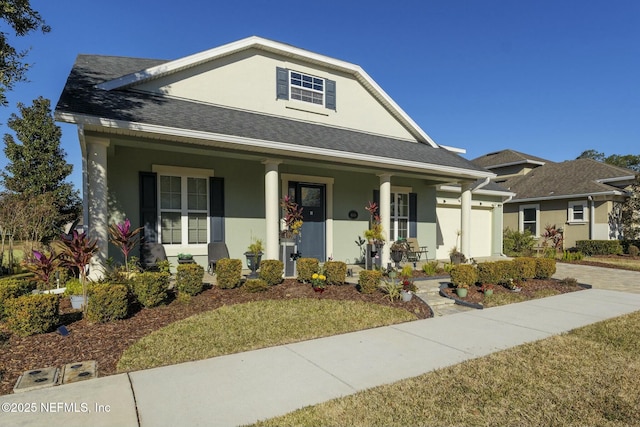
{"points": [[582, 197], [203, 148]]}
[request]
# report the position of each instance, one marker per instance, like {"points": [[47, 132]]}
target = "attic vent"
{"points": [[492, 154]]}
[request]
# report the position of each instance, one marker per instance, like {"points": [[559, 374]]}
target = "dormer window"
{"points": [[307, 88], [295, 85]]}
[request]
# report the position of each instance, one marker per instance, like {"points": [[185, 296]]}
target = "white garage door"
{"points": [[449, 225]]}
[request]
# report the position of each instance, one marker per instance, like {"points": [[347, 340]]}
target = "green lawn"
{"points": [[628, 263], [259, 324], [586, 377]]}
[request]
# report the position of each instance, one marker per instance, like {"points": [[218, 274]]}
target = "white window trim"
{"points": [[585, 212], [395, 190], [183, 173], [521, 218]]}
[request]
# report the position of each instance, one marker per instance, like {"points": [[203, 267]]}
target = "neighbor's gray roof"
{"points": [[81, 97], [572, 177], [506, 157]]}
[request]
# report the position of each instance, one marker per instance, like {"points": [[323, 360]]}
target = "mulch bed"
{"points": [[528, 290], [105, 343]]}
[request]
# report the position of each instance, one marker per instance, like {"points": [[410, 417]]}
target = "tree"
{"points": [[23, 20], [38, 166], [628, 161]]}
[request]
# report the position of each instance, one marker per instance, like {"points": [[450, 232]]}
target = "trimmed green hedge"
{"points": [[228, 273], [336, 272], [12, 288], [306, 268], [599, 247], [545, 268], [369, 280], [271, 271], [150, 288], [464, 275], [107, 302], [255, 285], [189, 279], [32, 314]]}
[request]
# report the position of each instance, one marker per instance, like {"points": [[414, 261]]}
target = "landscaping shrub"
{"points": [[368, 281], [12, 288], [189, 279], [569, 281], [430, 268], [628, 242], [271, 271], [572, 256], [524, 268], [488, 273], [505, 271], [516, 243], [599, 247], [150, 288], [545, 268], [336, 272], [464, 275], [255, 285], [306, 268], [228, 273], [32, 314], [107, 302], [633, 250], [74, 287]]}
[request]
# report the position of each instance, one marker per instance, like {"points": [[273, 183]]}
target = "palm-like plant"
{"points": [[43, 266], [124, 238], [78, 249]]}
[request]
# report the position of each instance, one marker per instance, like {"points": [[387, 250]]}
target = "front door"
{"points": [[311, 197]]}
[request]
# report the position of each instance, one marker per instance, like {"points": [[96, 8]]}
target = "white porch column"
{"points": [[271, 208], [96, 196], [385, 215], [496, 243], [465, 221]]}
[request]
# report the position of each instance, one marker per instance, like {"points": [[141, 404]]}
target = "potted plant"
{"points": [[456, 256], [375, 237], [254, 255], [487, 289], [291, 231], [73, 289], [319, 282], [185, 259], [398, 250], [77, 251], [406, 281]]}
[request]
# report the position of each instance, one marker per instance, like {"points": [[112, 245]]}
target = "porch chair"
{"points": [[150, 255], [415, 251], [217, 251]]}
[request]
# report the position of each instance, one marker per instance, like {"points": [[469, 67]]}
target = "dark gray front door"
{"points": [[312, 240]]}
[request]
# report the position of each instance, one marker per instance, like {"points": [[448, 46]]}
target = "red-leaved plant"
{"points": [[43, 266], [124, 238], [78, 249]]}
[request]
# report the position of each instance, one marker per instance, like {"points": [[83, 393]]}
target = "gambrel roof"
{"points": [[101, 92]]}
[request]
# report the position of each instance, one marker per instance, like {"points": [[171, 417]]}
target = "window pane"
{"points": [[197, 228], [531, 227], [403, 205], [311, 197], [529, 214], [578, 212], [171, 230], [403, 232], [197, 194], [170, 192]]}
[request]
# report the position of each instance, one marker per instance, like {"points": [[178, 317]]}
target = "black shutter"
{"points": [[282, 83], [376, 199], [330, 86], [216, 208], [149, 206], [413, 215]]}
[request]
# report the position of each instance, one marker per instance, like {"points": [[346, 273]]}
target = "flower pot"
{"points": [[396, 256], [406, 295], [488, 292], [461, 292], [253, 262], [319, 290], [77, 301]]}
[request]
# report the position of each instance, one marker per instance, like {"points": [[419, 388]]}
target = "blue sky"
{"points": [[549, 78]]}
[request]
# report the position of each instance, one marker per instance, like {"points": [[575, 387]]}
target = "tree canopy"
{"points": [[628, 161], [22, 19], [37, 165]]}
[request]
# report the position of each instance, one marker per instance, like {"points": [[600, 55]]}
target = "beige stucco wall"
{"points": [[247, 80]]}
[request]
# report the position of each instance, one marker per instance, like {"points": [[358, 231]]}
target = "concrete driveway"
{"points": [[600, 277]]}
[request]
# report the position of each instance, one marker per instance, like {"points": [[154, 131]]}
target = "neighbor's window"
{"points": [[307, 88], [183, 210], [399, 215], [577, 211], [529, 219]]}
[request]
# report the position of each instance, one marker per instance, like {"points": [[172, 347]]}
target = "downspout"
{"points": [[592, 219], [482, 184], [85, 201]]}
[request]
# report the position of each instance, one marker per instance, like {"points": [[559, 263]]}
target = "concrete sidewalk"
{"points": [[246, 387]]}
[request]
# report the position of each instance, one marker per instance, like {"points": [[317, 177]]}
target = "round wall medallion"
{"points": [[353, 214]]}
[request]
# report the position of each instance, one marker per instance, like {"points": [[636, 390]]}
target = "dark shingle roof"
{"points": [[572, 177], [506, 157], [80, 96]]}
